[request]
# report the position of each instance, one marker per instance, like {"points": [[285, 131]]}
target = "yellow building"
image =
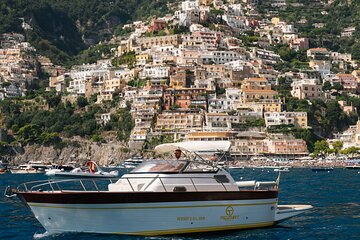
{"points": [[178, 80], [300, 119], [271, 105], [254, 89], [174, 121], [104, 96], [114, 84], [142, 59]]}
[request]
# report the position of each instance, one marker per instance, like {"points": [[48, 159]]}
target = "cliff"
{"points": [[103, 154]]}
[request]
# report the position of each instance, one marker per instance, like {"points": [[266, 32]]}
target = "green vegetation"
{"points": [[122, 123], [59, 28], [217, 11], [127, 58], [95, 53], [63, 119], [293, 61], [249, 123], [322, 148]]}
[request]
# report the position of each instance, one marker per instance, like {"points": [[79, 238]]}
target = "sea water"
{"points": [[335, 196]]}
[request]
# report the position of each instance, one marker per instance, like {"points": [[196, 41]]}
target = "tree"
{"points": [[350, 150], [327, 86], [338, 145], [321, 147], [81, 102], [52, 99], [338, 87], [30, 133]]}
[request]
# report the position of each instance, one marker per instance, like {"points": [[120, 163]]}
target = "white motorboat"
{"points": [[281, 169], [92, 170], [132, 162], [26, 169], [160, 197]]}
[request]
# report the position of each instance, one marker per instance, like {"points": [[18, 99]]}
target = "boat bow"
{"points": [[284, 212]]}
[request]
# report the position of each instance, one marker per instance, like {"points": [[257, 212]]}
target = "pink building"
{"points": [[348, 81]]}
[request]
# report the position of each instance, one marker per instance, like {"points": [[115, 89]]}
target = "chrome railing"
{"points": [[99, 185], [52, 185]]}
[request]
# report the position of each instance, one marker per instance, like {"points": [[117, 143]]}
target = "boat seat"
{"points": [[246, 183]]}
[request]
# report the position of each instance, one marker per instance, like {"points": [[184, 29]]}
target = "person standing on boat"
{"points": [[91, 166], [177, 154], [213, 158]]}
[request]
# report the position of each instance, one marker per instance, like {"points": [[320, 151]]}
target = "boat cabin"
{"points": [[174, 176]]}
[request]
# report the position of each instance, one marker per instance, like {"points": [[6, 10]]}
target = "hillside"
{"points": [[61, 29], [322, 22]]}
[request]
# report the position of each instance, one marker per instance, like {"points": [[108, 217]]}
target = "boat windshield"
{"points": [[160, 166]]}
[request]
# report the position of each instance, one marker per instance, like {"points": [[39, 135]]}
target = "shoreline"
{"points": [[292, 163]]}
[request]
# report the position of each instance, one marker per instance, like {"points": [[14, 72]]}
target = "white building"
{"points": [[154, 72], [221, 57], [298, 119]]}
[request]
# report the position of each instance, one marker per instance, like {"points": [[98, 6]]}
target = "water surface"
{"points": [[335, 196]]}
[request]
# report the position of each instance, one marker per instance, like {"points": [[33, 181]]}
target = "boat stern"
{"points": [[284, 212]]}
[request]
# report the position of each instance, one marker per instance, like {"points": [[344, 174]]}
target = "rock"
{"points": [[85, 150]]}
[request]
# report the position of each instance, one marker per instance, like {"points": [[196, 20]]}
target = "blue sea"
{"points": [[335, 196]]}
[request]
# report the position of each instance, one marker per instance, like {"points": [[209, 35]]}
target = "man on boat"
{"points": [[168, 167], [177, 154]]}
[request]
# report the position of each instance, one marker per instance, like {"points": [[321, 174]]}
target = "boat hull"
{"points": [[155, 218], [151, 213]]}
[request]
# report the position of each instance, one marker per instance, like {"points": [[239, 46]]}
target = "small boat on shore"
{"points": [[160, 197], [92, 170], [353, 167], [281, 169], [322, 169]]}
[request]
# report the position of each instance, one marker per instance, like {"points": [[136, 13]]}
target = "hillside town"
{"points": [[213, 70]]}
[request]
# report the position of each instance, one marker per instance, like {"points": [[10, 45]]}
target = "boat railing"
{"points": [[98, 185], [51, 185]]}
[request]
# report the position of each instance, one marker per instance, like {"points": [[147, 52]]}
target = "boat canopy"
{"points": [[194, 146]]}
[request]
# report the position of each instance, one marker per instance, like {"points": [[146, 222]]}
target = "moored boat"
{"points": [[281, 169], [322, 169], [353, 167], [160, 197], [91, 170], [24, 169], [30, 167], [132, 162]]}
